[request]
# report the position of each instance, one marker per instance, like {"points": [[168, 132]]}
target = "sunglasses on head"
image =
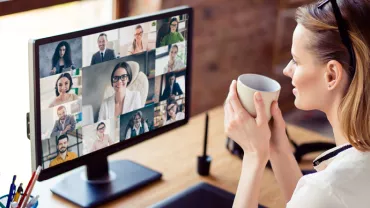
{"points": [[343, 31]]}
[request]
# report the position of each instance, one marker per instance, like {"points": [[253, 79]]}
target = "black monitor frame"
{"points": [[35, 110]]}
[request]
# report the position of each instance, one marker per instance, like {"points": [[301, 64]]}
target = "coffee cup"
{"points": [[249, 84]]}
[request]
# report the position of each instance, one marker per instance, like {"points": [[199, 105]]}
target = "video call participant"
{"points": [[137, 45], [62, 87], [63, 154], [123, 100], [173, 35], [136, 126], [104, 53], [172, 112], [62, 59], [172, 87], [102, 140], [65, 123], [174, 63]]}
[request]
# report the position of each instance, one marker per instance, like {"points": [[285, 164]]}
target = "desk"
{"points": [[174, 154]]}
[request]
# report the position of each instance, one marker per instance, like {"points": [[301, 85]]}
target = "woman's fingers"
{"points": [[260, 109], [235, 103]]}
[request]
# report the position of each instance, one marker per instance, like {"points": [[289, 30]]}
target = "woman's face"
{"points": [[171, 110], [173, 26], [137, 120], [101, 129], [173, 52], [138, 34], [121, 81], [62, 51], [308, 75], [63, 85]]}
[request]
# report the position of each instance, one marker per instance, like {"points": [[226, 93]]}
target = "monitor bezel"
{"points": [[35, 112]]}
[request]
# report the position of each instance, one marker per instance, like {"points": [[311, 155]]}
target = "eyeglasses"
{"points": [[123, 77], [139, 34], [343, 31], [101, 128], [173, 25]]}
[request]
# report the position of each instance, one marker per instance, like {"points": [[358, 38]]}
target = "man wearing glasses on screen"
{"points": [[104, 53]]}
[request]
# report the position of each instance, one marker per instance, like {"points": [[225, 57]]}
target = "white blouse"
{"points": [[345, 182], [176, 66], [132, 102]]}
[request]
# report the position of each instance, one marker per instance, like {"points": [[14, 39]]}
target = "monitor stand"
{"points": [[100, 182]]}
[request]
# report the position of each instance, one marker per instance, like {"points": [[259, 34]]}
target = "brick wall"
{"points": [[231, 37]]}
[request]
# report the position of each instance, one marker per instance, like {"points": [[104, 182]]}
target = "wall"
{"points": [[230, 38]]}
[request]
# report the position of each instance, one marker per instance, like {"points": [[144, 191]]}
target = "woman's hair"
{"points": [[68, 76], [101, 123], [174, 19], [169, 102], [134, 42], [127, 67], [67, 55], [326, 45], [139, 113]]}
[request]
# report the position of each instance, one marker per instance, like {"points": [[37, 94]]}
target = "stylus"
{"points": [[205, 138]]}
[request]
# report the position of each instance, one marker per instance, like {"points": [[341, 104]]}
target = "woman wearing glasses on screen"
{"points": [[174, 63], [137, 45], [173, 35], [123, 100], [330, 71], [102, 140], [62, 87], [172, 112], [62, 60], [136, 126]]}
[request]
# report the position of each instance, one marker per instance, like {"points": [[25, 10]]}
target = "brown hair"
{"points": [[326, 45]]}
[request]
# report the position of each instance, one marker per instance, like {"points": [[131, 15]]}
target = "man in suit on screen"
{"points": [[104, 53]]}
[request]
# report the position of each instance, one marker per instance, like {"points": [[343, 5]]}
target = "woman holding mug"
{"points": [[330, 70]]}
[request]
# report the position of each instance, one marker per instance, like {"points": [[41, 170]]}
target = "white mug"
{"points": [[248, 84]]}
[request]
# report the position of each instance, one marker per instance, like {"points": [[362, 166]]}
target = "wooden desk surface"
{"points": [[175, 155]]}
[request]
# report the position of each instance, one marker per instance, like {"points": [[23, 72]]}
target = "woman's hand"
{"points": [[54, 70], [252, 134], [279, 139]]}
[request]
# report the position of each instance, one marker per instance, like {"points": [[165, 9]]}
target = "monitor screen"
{"points": [[98, 89]]}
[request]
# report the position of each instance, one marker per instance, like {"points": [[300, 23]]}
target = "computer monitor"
{"points": [[96, 91]]}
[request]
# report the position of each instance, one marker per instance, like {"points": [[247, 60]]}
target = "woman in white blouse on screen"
{"points": [[329, 74], [174, 63], [172, 112], [123, 100]]}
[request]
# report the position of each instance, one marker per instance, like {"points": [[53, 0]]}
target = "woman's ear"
{"points": [[333, 74]]}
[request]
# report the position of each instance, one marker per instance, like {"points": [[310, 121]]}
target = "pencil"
{"points": [[33, 184]]}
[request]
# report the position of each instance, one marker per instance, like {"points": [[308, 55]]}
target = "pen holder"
{"points": [[4, 200]]}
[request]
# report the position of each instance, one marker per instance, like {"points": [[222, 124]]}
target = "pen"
{"points": [[11, 192], [32, 202], [25, 192], [19, 192], [31, 187]]}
